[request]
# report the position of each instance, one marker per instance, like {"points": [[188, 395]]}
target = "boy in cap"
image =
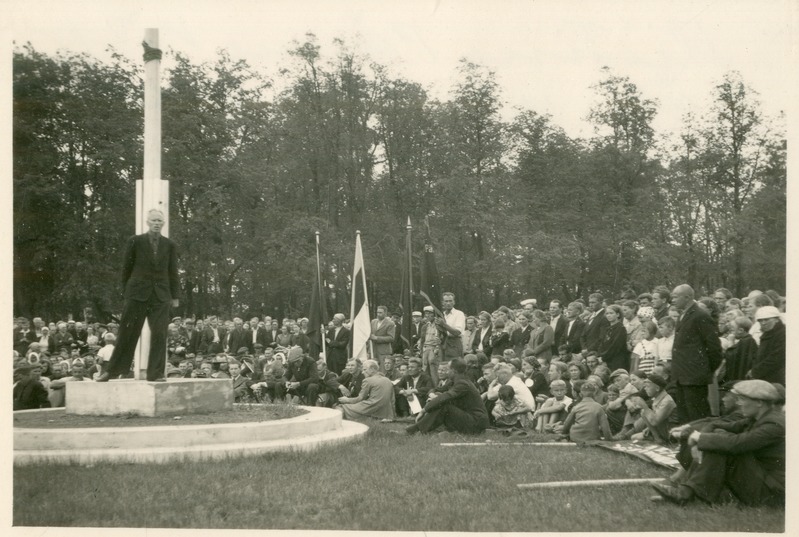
{"points": [[654, 422], [747, 456], [430, 340]]}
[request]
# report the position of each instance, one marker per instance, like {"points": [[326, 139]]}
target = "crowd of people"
{"points": [[706, 375]]}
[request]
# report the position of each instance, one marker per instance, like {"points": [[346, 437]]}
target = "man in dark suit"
{"points": [[271, 335], [150, 279], [558, 323], [195, 336], [695, 356], [417, 383], [337, 339], [302, 377], [481, 341], [594, 331], [459, 409], [521, 336], [239, 337], [573, 335]]}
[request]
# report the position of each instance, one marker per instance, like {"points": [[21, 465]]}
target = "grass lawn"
{"points": [[384, 482]]}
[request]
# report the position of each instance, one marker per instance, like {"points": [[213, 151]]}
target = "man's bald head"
{"points": [[682, 296]]}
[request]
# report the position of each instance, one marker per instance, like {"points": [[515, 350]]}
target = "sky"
{"points": [[546, 54]]}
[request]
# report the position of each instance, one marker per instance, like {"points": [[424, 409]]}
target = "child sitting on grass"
{"points": [[510, 411], [554, 409], [587, 420]]}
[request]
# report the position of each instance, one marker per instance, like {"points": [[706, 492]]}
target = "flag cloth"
{"points": [[361, 327], [406, 293], [429, 273], [316, 318]]}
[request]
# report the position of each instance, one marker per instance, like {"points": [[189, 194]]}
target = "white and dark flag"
{"points": [[359, 310]]}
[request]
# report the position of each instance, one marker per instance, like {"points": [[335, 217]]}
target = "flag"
{"points": [[429, 273], [317, 318], [361, 327], [406, 292]]}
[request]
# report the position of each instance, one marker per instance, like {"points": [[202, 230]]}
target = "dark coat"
{"points": [[145, 277], [520, 338], [764, 439], [337, 349], [560, 330], [207, 345], [613, 347], [594, 332], [770, 363], [30, 394], [463, 394], [486, 341], [696, 353], [424, 385], [574, 338], [303, 372], [739, 358], [352, 382]]}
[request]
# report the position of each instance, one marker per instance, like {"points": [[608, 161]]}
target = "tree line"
{"points": [[335, 142]]}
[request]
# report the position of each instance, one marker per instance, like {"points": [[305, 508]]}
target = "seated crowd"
{"points": [[583, 372]]}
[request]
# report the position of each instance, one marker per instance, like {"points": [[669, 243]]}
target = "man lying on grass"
{"points": [[459, 409]]}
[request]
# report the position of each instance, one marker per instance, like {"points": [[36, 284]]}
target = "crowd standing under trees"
{"points": [[332, 141]]}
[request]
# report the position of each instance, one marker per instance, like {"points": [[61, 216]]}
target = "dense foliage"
{"points": [[257, 164]]}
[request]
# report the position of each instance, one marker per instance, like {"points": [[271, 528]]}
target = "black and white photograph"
{"points": [[414, 267]]}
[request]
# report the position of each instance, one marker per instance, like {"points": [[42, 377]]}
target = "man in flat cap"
{"points": [[747, 456]]}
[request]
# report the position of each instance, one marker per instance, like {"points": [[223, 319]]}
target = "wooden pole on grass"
{"points": [[590, 483], [559, 444]]}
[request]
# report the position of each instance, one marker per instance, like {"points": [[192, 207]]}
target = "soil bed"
{"points": [[59, 419]]}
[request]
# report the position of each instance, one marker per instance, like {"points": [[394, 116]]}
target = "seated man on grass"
{"points": [[746, 456], [654, 421], [376, 398], [329, 387], [459, 409], [302, 380]]}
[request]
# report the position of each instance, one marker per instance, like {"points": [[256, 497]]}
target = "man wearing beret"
{"points": [[150, 280], [747, 456]]}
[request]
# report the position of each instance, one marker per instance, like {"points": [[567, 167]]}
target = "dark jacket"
{"points": [[145, 277], [303, 372], [424, 385], [770, 363], [739, 358], [520, 338], [352, 382], [30, 394], [594, 332], [463, 394], [613, 347], [696, 353], [574, 338]]}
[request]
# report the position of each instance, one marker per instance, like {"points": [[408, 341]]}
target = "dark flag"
{"points": [[316, 319], [429, 273], [406, 292]]}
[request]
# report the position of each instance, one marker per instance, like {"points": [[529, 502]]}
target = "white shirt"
{"points": [[554, 322], [456, 319], [483, 332], [519, 387]]}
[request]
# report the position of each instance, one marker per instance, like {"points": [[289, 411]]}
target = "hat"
{"points": [[766, 312], [174, 372], [757, 389], [527, 301], [646, 311], [429, 308], [176, 319], [416, 314], [618, 372], [280, 356], [24, 368], [727, 386], [242, 350], [654, 378], [258, 346], [294, 353]]}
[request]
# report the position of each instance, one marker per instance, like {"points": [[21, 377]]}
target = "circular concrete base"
{"points": [[161, 444]]}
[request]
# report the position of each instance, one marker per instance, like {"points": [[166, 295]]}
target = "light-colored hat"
{"points": [[527, 301], [429, 308], [416, 314], [294, 353], [766, 312], [757, 389]]}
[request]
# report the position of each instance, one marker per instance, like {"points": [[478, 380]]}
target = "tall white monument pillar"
{"points": [[151, 191]]}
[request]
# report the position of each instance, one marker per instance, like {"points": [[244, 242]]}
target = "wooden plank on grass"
{"points": [[559, 444], [590, 483]]}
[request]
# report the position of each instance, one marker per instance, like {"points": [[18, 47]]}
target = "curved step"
{"points": [[160, 444]]}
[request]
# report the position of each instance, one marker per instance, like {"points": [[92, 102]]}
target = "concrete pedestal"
{"points": [[176, 396]]}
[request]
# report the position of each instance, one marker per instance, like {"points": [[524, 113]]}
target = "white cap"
{"points": [[766, 312]]}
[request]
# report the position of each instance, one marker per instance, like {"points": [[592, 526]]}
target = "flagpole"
{"points": [[408, 302], [321, 296]]}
